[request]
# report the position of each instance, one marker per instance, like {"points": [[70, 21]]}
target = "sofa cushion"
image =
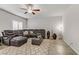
{"points": [[8, 32], [18, 41], [36, 41], [20, 32], [18, 38]]}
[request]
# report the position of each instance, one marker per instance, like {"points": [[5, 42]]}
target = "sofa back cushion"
{"points": [[8, 32], [12, 32], [20, 32]]}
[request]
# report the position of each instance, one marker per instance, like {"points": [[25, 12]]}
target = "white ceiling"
{"points": [[46, 9]]}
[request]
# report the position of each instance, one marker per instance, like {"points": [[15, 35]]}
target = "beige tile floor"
{"points": [[48, 47], [59, 47], [2, 46]]}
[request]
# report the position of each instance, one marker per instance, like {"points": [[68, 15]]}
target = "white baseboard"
{"points": [[72, 47]]}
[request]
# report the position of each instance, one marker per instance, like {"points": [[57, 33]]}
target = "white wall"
{"points": [[6, 20], [48, 23], [71, 27]]}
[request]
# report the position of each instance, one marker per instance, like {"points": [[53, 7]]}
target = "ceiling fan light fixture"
{"points": [[29, 11]]}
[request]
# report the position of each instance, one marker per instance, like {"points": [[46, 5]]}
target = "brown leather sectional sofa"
{"points": [[8, 36]]}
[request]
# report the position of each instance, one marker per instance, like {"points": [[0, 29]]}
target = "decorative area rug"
{"points": [[27, 49]]}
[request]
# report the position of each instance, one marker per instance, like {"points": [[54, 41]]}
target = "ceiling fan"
{"points": [[30, 9]]}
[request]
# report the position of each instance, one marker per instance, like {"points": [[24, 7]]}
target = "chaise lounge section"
{"points": [[18, 41]]}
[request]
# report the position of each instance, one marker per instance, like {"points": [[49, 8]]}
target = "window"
{"points": [[17, 25], [20, 25]]}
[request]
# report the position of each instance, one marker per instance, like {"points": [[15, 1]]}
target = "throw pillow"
{"points": [[31, 32], [25, 33]]}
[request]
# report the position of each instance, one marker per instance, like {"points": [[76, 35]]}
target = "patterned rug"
{"points": [[27, 49]]}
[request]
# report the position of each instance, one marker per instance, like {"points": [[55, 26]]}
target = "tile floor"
{"points": [[48, 47], [59, 47]]}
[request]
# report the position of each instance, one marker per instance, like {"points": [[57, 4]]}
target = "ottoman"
{"points": [[18, 41], [36, 41]]}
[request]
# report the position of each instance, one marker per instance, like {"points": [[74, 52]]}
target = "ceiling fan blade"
{"points": [[33, 13], [23, 8], [36, 9], [25, 12]]}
